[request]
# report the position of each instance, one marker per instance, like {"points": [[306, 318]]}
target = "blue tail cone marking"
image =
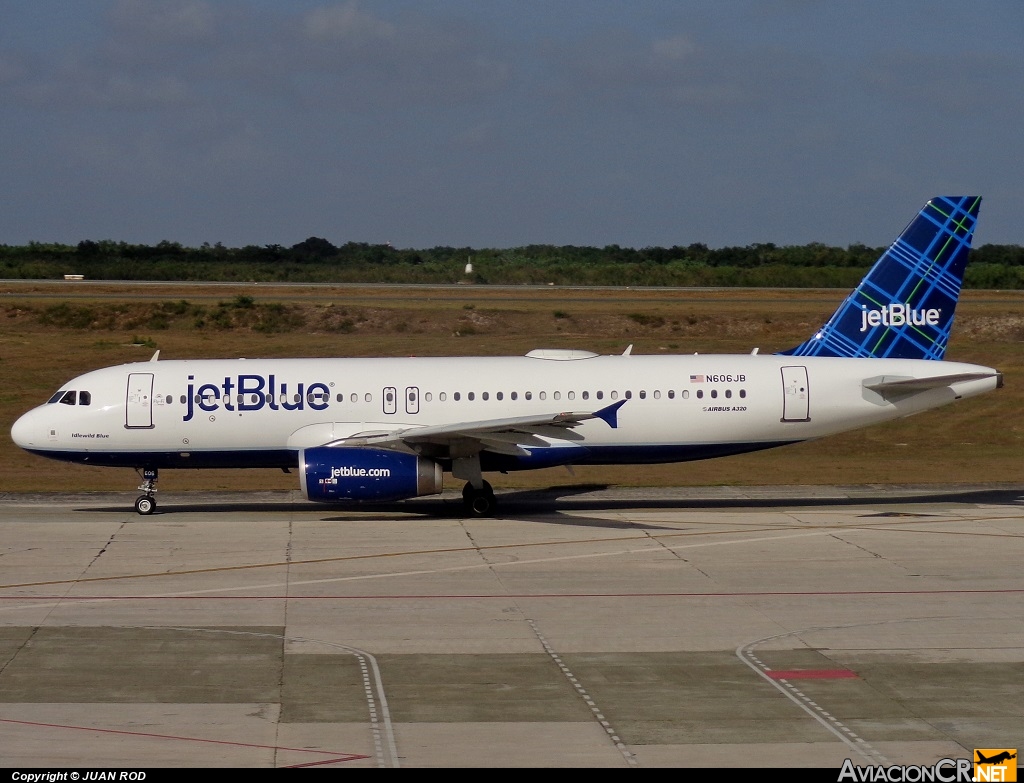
{"points": [[904, 306]]}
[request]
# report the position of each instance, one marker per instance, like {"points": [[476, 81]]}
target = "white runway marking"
{"points": [[380, 715], [578, 686], [830, 722]]}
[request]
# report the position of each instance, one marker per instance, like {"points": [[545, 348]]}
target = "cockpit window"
{"points": [[65, 397]]}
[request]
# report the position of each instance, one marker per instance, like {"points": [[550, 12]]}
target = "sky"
{"points": [[498, 124]]}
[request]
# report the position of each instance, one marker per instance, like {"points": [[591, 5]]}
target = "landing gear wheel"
{"points": [[467, 491], [146, 504], [479, 502]]}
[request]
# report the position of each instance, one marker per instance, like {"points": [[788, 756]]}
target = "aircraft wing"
{"points": [[503, 436]]}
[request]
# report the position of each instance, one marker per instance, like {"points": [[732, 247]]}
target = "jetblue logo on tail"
{"points": [[898, 315], [904, 306]]}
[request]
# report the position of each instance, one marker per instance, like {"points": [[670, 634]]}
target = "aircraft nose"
{"points": [[23, 432]]}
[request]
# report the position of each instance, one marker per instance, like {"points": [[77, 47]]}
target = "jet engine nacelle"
{"points": [[336, 474]]}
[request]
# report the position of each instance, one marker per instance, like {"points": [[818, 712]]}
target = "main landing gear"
{"points": [[146, 504], [479, 502], [477, 494]]}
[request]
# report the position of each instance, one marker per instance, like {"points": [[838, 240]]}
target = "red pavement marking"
{"points": [[811, 674], [340, 757]]}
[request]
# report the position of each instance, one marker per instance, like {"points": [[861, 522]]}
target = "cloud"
{"points": [[346, 25], [164, 20], [165, 54], [680, 72], [676, 47], [938, 81], [413, 59]]}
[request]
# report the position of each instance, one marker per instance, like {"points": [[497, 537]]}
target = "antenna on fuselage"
{"points": [[156, 355]]}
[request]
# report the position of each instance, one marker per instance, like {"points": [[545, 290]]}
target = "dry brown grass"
{"points": [[978, 440]]}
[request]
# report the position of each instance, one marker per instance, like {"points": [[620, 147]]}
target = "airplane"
{"points": [[386, 429], [996, 759]]}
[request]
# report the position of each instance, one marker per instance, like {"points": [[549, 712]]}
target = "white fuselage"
{"points": [[261, 412]]}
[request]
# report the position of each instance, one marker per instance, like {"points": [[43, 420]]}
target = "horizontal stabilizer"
{"points": [[901, 386]]}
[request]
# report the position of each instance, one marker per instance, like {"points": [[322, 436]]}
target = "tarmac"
{"points": [[716, 627]]}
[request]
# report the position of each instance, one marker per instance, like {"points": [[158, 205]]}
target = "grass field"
{"points": [[50, 332]]}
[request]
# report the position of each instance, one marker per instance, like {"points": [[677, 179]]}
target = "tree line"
{"points": [[317, 260]]}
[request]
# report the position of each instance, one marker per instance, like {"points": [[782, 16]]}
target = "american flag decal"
{"points": [[696, 379]]}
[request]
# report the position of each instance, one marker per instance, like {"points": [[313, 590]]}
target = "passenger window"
{"points": [[728, 393], [427, 397], [85, 398], [500, 396], [515, 395], [353, 397], [743, 392], [586, 395], [368, 397], [543, 395], [340, 397], [629, 395], [456, 396], [600, 395], [557, 395], [442, 396], [657, 395], [671, 394], [183, 399], [615, 395], [714, 394], [643, 394], [529, 395], [570, 395], [471, 396], [700, 394], [685, 394]]}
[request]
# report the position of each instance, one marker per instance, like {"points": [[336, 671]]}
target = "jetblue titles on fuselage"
{"points": [[245, 392]]}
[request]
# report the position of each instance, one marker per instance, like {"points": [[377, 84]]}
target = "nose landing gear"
{"points": [[146, 504]]}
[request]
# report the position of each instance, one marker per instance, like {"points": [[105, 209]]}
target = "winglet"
{"points": [[609, 415]]}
